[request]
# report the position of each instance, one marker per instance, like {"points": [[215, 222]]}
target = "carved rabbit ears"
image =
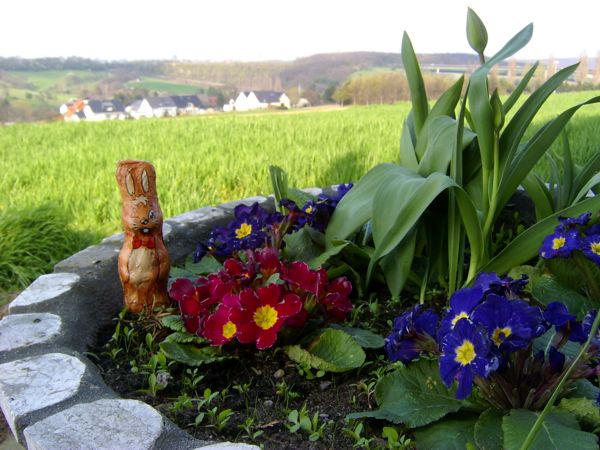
{"points": [[136, 178]]}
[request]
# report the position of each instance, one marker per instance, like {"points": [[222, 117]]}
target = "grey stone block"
{"points": [[229, 446], [22, 330], [46, 287], [31, 384], [103, 424]]}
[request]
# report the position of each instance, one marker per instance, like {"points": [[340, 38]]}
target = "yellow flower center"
{"points": [[500, 334], [595, 247], [309, 210], [265, 317], [244, 230], [465, 353], [558, 242], [229, 330], [462, 315]]}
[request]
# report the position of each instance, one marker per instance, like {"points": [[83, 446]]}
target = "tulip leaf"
{"points": [[418, 95], [356, 207], [526, 245]]}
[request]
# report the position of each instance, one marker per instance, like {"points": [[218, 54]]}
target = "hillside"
{"points": [[32, 89]]}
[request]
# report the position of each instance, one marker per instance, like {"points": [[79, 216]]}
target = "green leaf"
{"points": [[184, 338], [394, 216], [435, 145], [208, 264], [408, 156], [356, 207], [585, 388], [414, 395], [174, 322], [332, 351], [584, 409], [300, 246], [526, 245], [396, 265], [522, 162], [539, 193], [514, 96], [418, 95], [586, 174], [192, 355], [364, 338], [517, 42], [488, 430], [559, 431], [542, 343], [449, 434], [446, 104], [476, 33], [299, 197], [178, 272], [279, 181], [547, 289]]}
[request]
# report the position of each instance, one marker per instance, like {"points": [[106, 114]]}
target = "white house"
{"points": [[166, 106], [188, 104], [92, 110], [96, 110], [246, 101]]}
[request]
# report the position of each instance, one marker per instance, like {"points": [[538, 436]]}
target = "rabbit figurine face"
{"points": [[143, 260]]}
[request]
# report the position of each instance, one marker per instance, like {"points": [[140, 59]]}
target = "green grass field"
{"points": [[45, 79], [211, 159], [168, 87]]}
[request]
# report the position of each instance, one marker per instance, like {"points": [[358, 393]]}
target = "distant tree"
{"points": [[328, 93], [597, 69], [551, 69]]}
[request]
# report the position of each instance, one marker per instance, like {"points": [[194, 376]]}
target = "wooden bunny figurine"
{"points": [[143, 261]]}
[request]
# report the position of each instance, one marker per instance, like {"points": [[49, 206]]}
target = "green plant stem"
{"points": [[489, 218], [549, 405]]}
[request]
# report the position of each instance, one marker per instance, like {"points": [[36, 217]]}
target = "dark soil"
{"points": [[271, 387]]}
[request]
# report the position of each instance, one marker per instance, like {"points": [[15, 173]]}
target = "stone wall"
{"points": [[52, 395]]}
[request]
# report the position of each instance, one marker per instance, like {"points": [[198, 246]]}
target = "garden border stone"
{"points": [[77, 301]]}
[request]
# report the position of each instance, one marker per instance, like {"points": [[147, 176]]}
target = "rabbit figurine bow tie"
{"points": [[143, 241]]}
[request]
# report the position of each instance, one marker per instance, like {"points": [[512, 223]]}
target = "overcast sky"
{"points": [[268, 29]]}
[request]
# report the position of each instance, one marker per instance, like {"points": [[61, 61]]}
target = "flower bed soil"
{"points": [[275, 387]]}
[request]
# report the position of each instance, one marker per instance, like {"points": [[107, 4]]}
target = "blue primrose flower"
{"points": [[511, 324], [411, 334], [560, 244], [490, 282], [462, 304], [332, 200], [571, 223], [590, 247], [465, 355], [565, 323]]}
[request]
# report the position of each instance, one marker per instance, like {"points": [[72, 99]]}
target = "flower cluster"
{"points": [[254, 227], [250, 300], [570, 235], [486, 337], [249, 230]]}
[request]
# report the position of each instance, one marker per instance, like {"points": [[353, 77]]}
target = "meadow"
{"points": [[200, 161], [156, 84]]}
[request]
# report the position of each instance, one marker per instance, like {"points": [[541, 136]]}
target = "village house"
{"points": [[247, 101], [92, 110], [166, 106]]}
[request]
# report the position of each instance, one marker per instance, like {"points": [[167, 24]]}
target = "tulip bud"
{"points": [[476, 33], [497, 110]]}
